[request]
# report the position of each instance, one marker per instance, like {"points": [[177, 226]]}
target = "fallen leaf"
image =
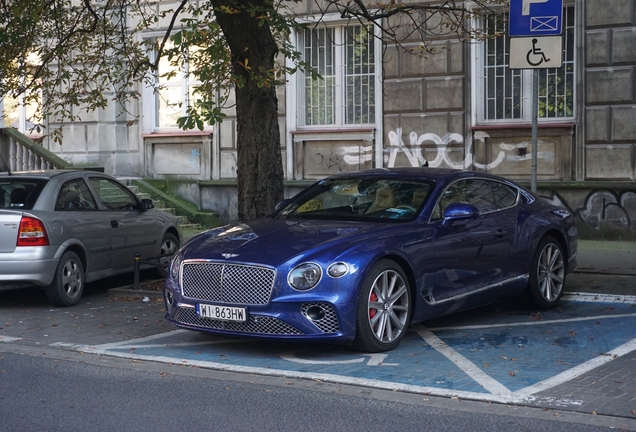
{"points": [[593, 412]]}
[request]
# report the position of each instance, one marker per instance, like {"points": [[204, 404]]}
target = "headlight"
{"points": [[305, 276], [175, 265], [338, 269]]}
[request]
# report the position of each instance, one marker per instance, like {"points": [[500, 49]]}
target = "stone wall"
{"points": [[609, 119]]}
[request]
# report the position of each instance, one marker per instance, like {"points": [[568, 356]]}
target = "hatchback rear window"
{"points": [[20, 194]]}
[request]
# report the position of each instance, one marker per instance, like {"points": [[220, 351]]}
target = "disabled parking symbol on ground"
{"points": [[498, 353]]}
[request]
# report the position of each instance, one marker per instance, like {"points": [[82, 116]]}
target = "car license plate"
{"points": [[222, 313]]}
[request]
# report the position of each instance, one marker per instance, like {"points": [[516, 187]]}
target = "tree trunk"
{"points": [[259, 160]]}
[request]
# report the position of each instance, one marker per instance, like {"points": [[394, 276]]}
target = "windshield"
{"points": [[359, 199]]}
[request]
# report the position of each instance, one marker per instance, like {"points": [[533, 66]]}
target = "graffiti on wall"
{"points": [[341, 158], [602, 211], [607, 208], [413, 151]]}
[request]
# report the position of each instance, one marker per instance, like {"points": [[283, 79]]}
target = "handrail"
{"points": [[25, 155]]}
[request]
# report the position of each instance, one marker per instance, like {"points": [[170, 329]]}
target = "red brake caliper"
{"points": [[374, 298]]}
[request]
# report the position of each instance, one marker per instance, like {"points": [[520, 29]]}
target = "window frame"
{"points": [[437, 214], [151, 101], [479, 83], [295, 99], [84, 195], [133, 203]]}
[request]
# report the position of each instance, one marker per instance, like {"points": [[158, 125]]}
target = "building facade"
{"points": [[381, 105]]}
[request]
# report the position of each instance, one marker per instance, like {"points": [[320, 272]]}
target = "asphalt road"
{"points": [[48, 393]]}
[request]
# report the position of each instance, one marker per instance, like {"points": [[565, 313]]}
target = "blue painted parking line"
{"points": [[499, 353]]}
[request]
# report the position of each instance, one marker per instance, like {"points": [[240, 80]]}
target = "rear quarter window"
{"points": [[20, 194]]}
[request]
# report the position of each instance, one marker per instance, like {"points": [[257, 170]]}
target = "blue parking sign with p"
{"points": [[535, 17]]}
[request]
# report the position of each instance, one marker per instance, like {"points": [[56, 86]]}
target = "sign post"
{"points": [[534, 27]]}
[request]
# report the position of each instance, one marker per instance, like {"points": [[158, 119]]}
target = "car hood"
{"points": [[271, 241]]}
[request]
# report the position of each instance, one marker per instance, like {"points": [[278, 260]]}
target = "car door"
{"points": [[134, 231], [470, 254], [77, 216]]}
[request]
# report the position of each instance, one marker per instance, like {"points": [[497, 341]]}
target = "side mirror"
{"points": [[459, 211], [281, 204], [147, 204]]}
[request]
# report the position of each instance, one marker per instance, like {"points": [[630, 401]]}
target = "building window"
{"points": [[345, 58], [173, 92], [21, 114], [506, 93], [24, 111]]}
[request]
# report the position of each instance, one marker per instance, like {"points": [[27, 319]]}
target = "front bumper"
{"points": [[304, 319]]}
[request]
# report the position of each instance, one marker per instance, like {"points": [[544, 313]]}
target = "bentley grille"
{"points": [[227, 283]]}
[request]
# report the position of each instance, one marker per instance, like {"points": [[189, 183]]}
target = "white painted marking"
{"points": [[532, 323], [291, 356], [576, 371], [9, 339], [374, 360], [336, 379], [599, 298], [462, 362]]}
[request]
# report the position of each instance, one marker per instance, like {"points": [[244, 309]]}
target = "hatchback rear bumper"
{"points": [[28, 265]]}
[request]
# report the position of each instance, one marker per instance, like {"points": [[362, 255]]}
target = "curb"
{"points": [[599, 298], [128, 291]]}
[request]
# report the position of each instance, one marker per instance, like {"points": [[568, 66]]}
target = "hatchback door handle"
{"points": [[114, 224]]}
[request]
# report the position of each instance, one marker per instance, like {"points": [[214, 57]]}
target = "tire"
{"points": [[384, 309], [547, 274], [169, 246], [68, 283]]}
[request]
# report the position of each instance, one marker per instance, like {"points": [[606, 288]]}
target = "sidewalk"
{"points": [[604, 267]]}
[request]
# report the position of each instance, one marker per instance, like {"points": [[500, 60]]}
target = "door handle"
{"points": [[500, 233], [114, 224]]}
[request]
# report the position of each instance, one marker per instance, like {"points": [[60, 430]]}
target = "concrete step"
{"points": [[159, 204]]}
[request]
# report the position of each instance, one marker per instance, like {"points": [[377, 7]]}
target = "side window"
{"points": [[505, 196], [476, 192], [479, 194], [113, 195], [75, 195]]}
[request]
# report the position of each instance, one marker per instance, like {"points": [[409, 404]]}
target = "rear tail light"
{"points": [[32, 232]]}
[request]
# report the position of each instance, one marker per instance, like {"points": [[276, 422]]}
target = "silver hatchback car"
{"points": [[62, 228]]}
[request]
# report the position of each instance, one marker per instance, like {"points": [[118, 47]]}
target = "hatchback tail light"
{"points": [[32, 232]]}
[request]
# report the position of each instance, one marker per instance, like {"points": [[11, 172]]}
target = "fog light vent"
{"points": [[322, 315]]}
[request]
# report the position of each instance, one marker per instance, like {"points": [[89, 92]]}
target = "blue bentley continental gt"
{"points": [[358, 257]]}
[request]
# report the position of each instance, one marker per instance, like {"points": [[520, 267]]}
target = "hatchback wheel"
{"points": [[68, 282], [169, 247], [384, 309], [547, 275]]}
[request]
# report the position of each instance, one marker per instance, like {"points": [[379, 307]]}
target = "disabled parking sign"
{"points": [[535, 18], [536, 52]]}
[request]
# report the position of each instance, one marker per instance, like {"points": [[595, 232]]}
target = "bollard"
{"points": [[137, 262]]}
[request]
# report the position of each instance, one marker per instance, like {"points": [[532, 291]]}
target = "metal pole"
{"points": [[136, 278], [535, 128]]}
